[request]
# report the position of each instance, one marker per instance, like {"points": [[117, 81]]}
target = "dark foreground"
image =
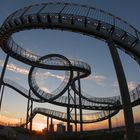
{"points": [[10, 133]]}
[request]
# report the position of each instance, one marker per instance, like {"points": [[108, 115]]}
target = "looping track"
{"points": [[77, 18]]}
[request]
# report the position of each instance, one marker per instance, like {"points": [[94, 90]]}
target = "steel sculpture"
{"points": [[76, 18]]}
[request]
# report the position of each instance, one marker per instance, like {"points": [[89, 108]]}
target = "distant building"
{"points": [[71, 128], [61, 128], [45, 131], [51, 128]]}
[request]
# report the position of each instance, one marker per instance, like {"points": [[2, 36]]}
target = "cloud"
{"points": [[14, 68], [115, 84], [38, 126], [49, 74], [98, 79], [46, 89], [6, 112], [7, 119], [131, 85]]}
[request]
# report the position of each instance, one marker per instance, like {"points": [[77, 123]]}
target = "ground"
{"points": [[16, 133]]}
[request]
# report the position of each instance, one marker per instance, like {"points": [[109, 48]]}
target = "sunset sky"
{"points": [[101, 83]]}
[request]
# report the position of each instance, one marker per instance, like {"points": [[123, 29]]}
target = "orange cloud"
{"points": [[8, 120]]}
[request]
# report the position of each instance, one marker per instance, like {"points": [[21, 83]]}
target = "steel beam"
{"points": [[128, 114], [75, 111], [27, 113], [47, 124], [68, 112], [110, 124], [80, 102], [3, 70], [1, 79], [31, 111], [2, 91], [51, 125]]}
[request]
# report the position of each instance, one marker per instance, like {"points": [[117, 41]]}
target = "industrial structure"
{"points": [[90, 21]]}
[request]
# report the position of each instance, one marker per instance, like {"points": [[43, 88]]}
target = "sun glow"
{"points": [[38, 126], [8, 120]]}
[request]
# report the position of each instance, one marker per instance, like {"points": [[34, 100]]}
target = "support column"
{"points": [[31, 112], [109, 122], [2, 91], [128, 114], [2, 76], [47, 124], [27, 113], [51, 125], [80, 102], [68, 112], [20, 122], [75, 112]]}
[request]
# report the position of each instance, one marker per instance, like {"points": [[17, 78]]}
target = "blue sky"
{"points": [[102, 81]]}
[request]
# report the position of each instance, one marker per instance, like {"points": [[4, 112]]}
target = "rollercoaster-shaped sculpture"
{"points": [[76, 18]]}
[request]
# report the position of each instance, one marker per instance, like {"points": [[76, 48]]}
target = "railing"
{"points": [[134, 96], [79, 18], [87, 117], [71, 9], [20, 89]]}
